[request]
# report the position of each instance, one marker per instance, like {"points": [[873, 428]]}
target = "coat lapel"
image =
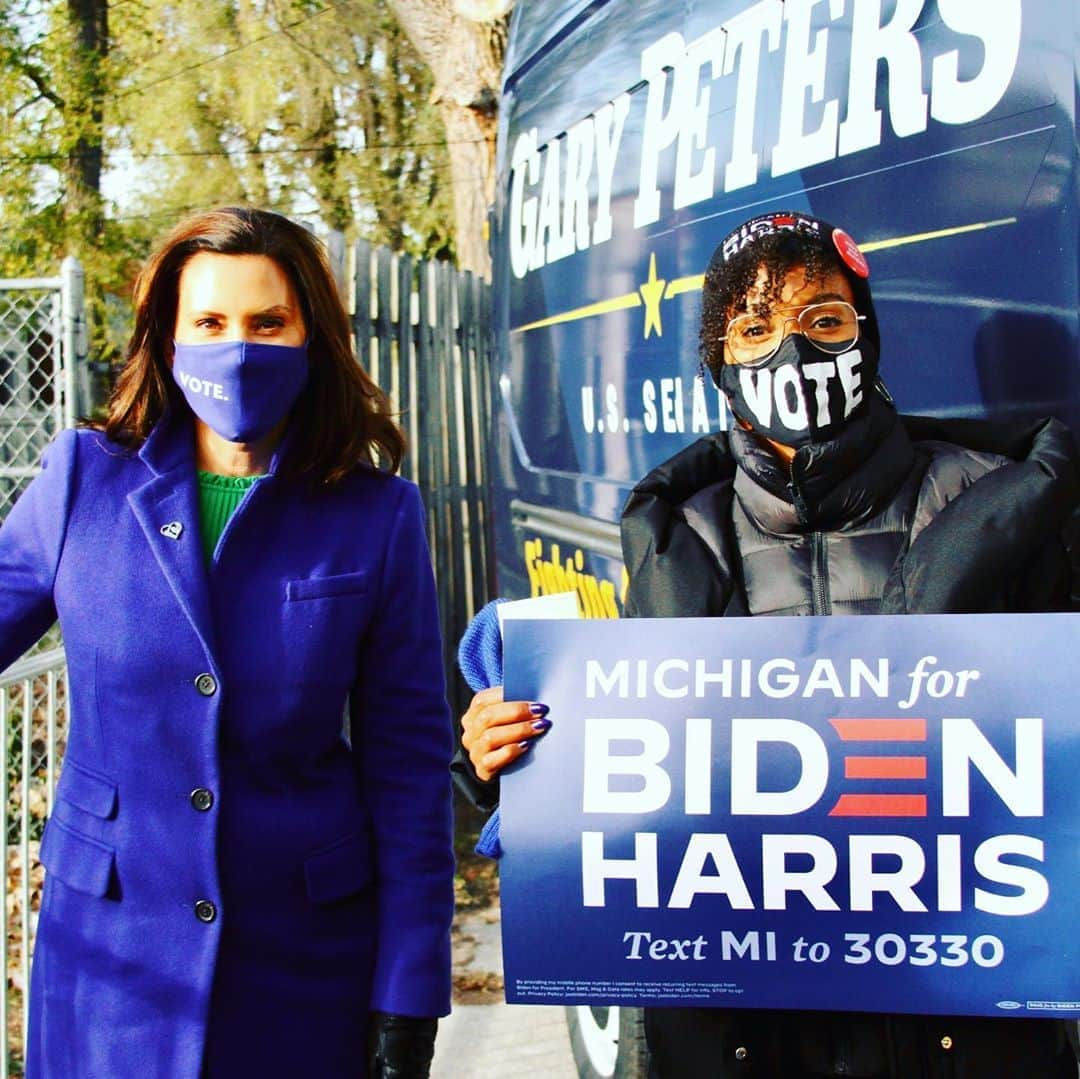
{"points": [[167, 509]]}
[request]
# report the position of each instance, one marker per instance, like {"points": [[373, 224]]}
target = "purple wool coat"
{"points": [[251, 842]]}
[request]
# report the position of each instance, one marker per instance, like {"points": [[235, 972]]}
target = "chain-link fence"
{"points": [[42, 335]]}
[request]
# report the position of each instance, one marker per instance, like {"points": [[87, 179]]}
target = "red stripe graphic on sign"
{"points": [[884, 767], [880, 730], [881, 767], [880, 805]]}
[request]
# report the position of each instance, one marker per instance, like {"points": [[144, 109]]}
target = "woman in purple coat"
{"points": [[249, 862]]}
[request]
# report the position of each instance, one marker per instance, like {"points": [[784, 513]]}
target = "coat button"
{"points": [[206, 684], [741, 1053], [202, 799], [205, 911], [946, 1043]]}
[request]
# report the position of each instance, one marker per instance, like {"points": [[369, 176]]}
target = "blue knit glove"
{"points": [[480, 660]]}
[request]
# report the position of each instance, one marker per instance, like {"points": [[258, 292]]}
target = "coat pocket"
{"points": [[341, 869], [324, 621], [82, 863], [340, 584], [87, 790]]}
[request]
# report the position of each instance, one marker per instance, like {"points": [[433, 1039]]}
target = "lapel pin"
{"points": [[172, 529]]}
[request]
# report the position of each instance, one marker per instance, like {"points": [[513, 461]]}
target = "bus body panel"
{"points": [[941, 134]]}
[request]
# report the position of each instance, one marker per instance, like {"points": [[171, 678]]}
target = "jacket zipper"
{"points": [[819, 574], [819, 555]]}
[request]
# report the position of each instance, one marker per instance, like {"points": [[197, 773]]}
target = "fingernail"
{"points": [[527, 744], [539, 709], [541, 724]]}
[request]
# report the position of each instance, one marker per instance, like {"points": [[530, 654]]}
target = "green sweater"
{"points": [[218, 498]]}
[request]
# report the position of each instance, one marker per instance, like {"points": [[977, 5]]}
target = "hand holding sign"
{"points": [[497, 732]]}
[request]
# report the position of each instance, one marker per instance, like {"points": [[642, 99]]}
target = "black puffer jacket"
{"points": [[894, 517], [974, 512]]}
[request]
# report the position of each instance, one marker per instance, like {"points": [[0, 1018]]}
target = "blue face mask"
{"points": [[240, 389]]}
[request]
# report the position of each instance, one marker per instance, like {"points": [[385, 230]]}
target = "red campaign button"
{"points": [[853, 258]]}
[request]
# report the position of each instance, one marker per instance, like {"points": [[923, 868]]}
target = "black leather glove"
{"points": [[400, 1046]]}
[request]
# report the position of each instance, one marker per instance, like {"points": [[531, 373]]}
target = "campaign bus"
{"points": [[633, 137]]}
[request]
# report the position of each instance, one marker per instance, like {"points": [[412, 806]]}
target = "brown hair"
{"points": [[341, 418]]}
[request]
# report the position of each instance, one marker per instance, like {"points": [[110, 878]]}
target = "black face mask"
{"points": [[801, 395]]}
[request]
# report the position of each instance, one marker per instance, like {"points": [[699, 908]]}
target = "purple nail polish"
{"points": [[539, 709], [541, 724], [527, 744]]}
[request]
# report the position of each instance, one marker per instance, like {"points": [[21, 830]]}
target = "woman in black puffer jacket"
{"points": [[824, 501]]}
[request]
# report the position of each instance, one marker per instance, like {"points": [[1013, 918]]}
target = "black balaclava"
{"points": [[801, 395]]}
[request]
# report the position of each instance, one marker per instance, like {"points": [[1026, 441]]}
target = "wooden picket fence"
{"points": [[423, 332]]}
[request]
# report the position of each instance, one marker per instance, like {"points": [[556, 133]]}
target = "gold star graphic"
{"points": [[652, 293]]}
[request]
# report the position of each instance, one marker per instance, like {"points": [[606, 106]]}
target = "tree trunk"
{"points": [[465, 59], [84, 116]]}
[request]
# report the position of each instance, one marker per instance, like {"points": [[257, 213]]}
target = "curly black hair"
{"points": [[727, 283]]}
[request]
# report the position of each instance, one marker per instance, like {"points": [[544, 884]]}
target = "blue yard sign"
{"points": [[871, 814]]}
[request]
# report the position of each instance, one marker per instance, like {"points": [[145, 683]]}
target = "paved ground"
{"points": [[484, 1036]]}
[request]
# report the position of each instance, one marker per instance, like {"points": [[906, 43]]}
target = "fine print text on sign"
{"points": [[871, 814]]}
